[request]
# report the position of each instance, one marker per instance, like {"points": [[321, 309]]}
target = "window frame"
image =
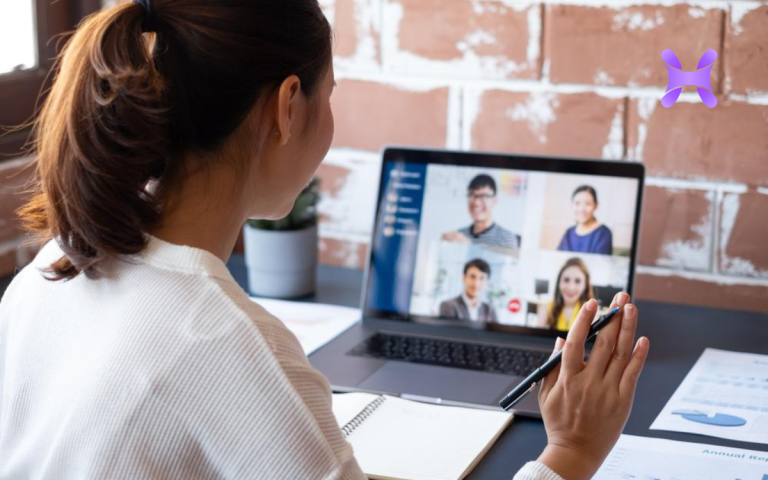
{"points": [[21, 92]]}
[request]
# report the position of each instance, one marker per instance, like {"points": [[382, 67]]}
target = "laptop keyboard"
{"points": [[449, 353]]}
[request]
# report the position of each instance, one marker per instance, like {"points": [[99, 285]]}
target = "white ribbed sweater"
{"points": [[163, 369]]}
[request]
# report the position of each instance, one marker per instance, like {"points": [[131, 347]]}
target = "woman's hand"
{"points": [[585, 405]]}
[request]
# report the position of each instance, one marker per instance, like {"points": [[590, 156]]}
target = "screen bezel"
{"points": [[534, 163]]}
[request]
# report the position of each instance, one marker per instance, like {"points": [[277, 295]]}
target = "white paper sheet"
{"points": [[641, 458], [724, 395], [314, 324]]}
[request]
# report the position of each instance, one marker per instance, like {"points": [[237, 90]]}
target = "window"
{"points": [[29, 31]]}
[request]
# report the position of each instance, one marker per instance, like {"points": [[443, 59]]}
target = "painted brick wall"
{"points": [[577, 77]]}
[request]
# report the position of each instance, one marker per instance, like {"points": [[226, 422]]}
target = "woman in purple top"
{"points": [[588, 235]]}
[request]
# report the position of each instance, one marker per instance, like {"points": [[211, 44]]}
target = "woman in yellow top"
{"points": [[573, 290]]}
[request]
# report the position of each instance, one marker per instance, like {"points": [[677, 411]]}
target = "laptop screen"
{"points": [[500, 242]]}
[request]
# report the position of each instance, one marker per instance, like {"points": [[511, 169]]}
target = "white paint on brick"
{"points": [[645, 108], [619, 4], [738, 11], [696, 12], [650, 93], [472, 108], [351, 211], [545, 68], [534, 35], [614, 146], [470, 65], [475, 39], [453, 122], [729, 208], [538, 112], [602, 78], [404, 84], [627, 20], [692, 254], [702, 277], [685, 184], [752, 98], [367, 14]]}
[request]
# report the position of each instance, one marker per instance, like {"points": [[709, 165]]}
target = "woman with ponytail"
{"points": [[127, 350]]}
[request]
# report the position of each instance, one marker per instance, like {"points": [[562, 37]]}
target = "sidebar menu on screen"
{"points": [[397, 235]]}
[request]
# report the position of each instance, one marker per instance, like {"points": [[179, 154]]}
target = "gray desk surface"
{"points": [[678, 334]]}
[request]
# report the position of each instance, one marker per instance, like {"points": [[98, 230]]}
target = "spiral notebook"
{"points": [[397, 439]]}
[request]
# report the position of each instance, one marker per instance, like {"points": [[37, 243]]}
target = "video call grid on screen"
{"points": [[519, 250]]}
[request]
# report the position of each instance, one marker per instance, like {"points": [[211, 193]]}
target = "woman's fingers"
{"points": [[606, 339], [632, 372], [623, 351], [573, 351], [551, 378]]}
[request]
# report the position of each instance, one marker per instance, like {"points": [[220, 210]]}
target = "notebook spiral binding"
{"points": [[350, 427]]}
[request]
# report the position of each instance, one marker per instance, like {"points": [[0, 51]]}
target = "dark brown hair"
{"points": [[588, 189], [479, 264], [126, 105], [559, 304]]}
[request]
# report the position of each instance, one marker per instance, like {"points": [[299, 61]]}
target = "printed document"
{"points": [[724, 395]]}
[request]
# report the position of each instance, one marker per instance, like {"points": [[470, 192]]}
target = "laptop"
{"points": [[477, 262]]}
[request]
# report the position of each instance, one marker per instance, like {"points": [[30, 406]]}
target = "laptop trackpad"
{"points": [[439, 382]]}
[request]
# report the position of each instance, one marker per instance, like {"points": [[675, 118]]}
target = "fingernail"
{"points": [[591, 305], [629, 310], [623, 298]]}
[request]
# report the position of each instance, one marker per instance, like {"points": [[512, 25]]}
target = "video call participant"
{"points": [[468, 305], [572, 290], [482, 200], [588, 235]]}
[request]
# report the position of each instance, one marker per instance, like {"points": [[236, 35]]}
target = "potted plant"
{"points": [[281, 255]]}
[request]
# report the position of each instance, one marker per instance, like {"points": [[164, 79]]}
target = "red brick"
{"points": [[549, 123], [370, 115], [13, 176], [485, 39], [7, 263], [679, 290], [355, 26], [622, 46], [689, 140], [742, 249], [677, 229], [746, 47], [342, 253]]}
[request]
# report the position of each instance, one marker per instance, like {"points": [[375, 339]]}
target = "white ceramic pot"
{"points": [[281, 264]]}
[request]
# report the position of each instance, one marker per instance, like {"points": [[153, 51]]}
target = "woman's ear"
{"points": [[288, 99]]}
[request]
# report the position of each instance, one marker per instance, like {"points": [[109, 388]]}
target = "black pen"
{"points": [[538, 375]]}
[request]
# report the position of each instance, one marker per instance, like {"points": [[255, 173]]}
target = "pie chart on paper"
{"points": [[718, 419]]}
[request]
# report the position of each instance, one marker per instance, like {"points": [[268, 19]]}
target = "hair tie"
{"points": [[148, 25]]}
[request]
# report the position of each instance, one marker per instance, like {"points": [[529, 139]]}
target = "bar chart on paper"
{"points": [[641, 458]]}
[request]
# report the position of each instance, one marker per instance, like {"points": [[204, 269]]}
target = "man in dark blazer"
{"points": [[468, 305]]}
